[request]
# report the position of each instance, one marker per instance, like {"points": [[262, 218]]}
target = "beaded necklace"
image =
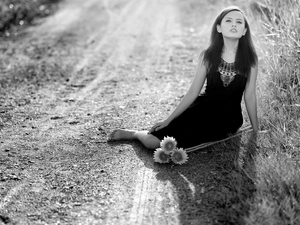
{"points": [[227, 72]]}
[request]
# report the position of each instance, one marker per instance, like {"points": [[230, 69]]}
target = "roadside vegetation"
{"points": [[277, 197], [15, 13]]}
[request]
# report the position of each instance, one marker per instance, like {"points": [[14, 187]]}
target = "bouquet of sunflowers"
{"points": [[168, 151]]}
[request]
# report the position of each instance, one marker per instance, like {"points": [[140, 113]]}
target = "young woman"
{"points": [[229, 65]]}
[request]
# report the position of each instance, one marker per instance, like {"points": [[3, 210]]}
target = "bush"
{"points": [[22, 12]]}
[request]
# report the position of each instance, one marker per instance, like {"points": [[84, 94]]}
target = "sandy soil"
{"points": [[90, 68]]}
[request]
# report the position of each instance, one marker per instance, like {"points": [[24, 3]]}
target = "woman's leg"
{"points": [[148, 140]]}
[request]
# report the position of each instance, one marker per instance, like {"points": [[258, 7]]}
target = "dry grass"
{"points": [[277, 169]]}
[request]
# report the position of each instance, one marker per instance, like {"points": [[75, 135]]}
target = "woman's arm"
{"points": [[189, 98], [250, 98], [192, 93]]}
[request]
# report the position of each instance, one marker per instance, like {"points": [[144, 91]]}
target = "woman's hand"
{"points": [[159, 126]]}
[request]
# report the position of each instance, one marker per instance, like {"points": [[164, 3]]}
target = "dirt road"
{"points": [[68, 82]]}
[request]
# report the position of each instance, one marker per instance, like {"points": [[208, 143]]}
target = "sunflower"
{"points": [[179, 156], [168, 144], [161, 156]]}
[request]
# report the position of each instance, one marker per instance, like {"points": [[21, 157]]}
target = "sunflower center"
{"points": [[178, 156], [170, 146], [163, 156]]}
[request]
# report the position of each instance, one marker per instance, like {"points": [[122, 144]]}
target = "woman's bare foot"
{"points": [[121, 134]]}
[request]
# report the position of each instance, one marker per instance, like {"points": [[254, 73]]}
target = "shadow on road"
{"points": [[214, 186]]}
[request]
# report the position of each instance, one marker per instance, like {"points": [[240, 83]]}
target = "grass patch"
{"points": [[277, 191], [16, 13], [277, 165]]}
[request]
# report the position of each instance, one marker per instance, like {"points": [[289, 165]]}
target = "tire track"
{"points": [[54, 27], [149, 201], [10, 195], [139, 35], [132, 30], [116, 54], [147, 198]]}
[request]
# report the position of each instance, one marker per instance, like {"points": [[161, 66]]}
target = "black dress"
{"points": [[215, 114]]}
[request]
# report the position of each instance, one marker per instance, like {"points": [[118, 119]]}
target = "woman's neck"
{"points": [[230, 45], [229, 49]]}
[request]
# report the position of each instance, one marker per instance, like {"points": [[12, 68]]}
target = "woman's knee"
{"points": [[152, 144], [148, 140]]}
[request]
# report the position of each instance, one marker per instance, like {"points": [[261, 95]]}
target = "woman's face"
{"points": [[232, 25]]}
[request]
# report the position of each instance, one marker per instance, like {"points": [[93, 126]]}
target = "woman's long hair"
{"points": [[245, 57]]}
